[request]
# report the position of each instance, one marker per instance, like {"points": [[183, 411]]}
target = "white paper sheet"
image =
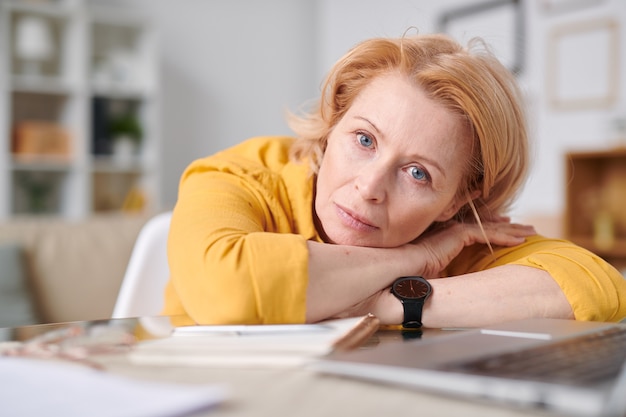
{"points": [[36, 387]]}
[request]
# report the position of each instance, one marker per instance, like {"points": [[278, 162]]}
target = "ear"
{"points": [[456, 204]]}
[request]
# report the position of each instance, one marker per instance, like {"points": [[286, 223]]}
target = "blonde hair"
{"points": [[471, 84]]}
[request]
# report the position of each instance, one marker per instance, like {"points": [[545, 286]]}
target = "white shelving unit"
{"points": [[68, 71]]}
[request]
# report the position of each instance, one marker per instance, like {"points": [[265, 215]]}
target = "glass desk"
{"points": [[261, 391]]}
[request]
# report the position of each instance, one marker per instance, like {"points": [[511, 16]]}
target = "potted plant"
{"points": [[126, 134]]}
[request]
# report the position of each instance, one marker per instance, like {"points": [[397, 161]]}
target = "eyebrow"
{"points": [[380, 133]]}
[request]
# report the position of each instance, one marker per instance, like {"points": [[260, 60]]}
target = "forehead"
{"points": [[395, 104], [405, 119]]}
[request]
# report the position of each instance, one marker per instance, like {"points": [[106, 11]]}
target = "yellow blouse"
{"points": [[237, 245]]}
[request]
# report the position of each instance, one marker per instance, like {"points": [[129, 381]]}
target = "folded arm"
{"points": [[499, 294], [542, 278], [347, 280]]}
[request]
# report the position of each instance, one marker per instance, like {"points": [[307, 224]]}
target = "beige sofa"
{"points": [[63, 270]]}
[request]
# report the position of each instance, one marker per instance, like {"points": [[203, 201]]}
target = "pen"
{"points": [[358, 334]]}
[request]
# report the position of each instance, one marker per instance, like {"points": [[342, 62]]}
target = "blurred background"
{"points": [[103, 103]]}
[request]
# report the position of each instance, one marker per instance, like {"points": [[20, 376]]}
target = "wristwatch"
{"points": [[412, 292]]}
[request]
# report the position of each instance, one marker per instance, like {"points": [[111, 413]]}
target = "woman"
{"points": [[406, 168]]}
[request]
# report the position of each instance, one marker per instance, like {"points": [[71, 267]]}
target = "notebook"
{"points": [[268, 345], [568, 367]]}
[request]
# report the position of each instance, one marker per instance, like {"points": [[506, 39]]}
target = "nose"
{"points": [[372, 182]]}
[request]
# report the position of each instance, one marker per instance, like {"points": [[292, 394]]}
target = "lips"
{"points": [[353, 220]]}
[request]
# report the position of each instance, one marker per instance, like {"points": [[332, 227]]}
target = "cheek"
{"points": [[321, 184], [330, 173], [323, 187]]}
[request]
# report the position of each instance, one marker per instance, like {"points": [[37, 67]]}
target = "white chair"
{"points": [[141, 292]]}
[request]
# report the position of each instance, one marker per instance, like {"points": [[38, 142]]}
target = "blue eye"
{"points": [[418, 173], [365, 140]]}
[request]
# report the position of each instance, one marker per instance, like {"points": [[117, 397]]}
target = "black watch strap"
{"points": [[412, 313]]}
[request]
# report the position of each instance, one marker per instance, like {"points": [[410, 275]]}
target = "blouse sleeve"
{"points": [[233, 257], [594, 288]]}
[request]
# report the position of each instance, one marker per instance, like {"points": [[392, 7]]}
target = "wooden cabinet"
{"points": [[595, 214], [76, 77]]}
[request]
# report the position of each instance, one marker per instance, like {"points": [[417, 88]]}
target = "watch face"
{"points": [[412, 287]]}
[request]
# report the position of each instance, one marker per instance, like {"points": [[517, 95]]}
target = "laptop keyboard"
{"points": [[582, 359]]}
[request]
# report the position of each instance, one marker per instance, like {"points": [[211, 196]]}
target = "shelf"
{"points": [[40, 163], [112, 189], [97, 63], [38, 192], [41, 85], [595, 199], [108, 164], [120, 92], [118, 50]]}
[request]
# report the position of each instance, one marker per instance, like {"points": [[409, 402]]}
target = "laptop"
{"points": [[568, 367]]}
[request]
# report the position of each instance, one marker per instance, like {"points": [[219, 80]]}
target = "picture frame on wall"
{"points": [[499, 23], [583, 65]]}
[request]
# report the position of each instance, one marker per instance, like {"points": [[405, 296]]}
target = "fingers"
{"points": [[514, 228], [438, 247], [506, 234]]}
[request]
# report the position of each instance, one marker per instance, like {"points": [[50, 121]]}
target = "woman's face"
{"points": [[392, 166]]}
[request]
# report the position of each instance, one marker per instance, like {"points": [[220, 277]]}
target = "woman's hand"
{"points": [[352, 280], [437, 248]]}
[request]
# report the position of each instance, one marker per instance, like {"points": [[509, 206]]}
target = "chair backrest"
{"points": [[141, 292]]}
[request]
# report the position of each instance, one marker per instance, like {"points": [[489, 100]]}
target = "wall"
{"points": [[231, 68], [553, 132]]}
